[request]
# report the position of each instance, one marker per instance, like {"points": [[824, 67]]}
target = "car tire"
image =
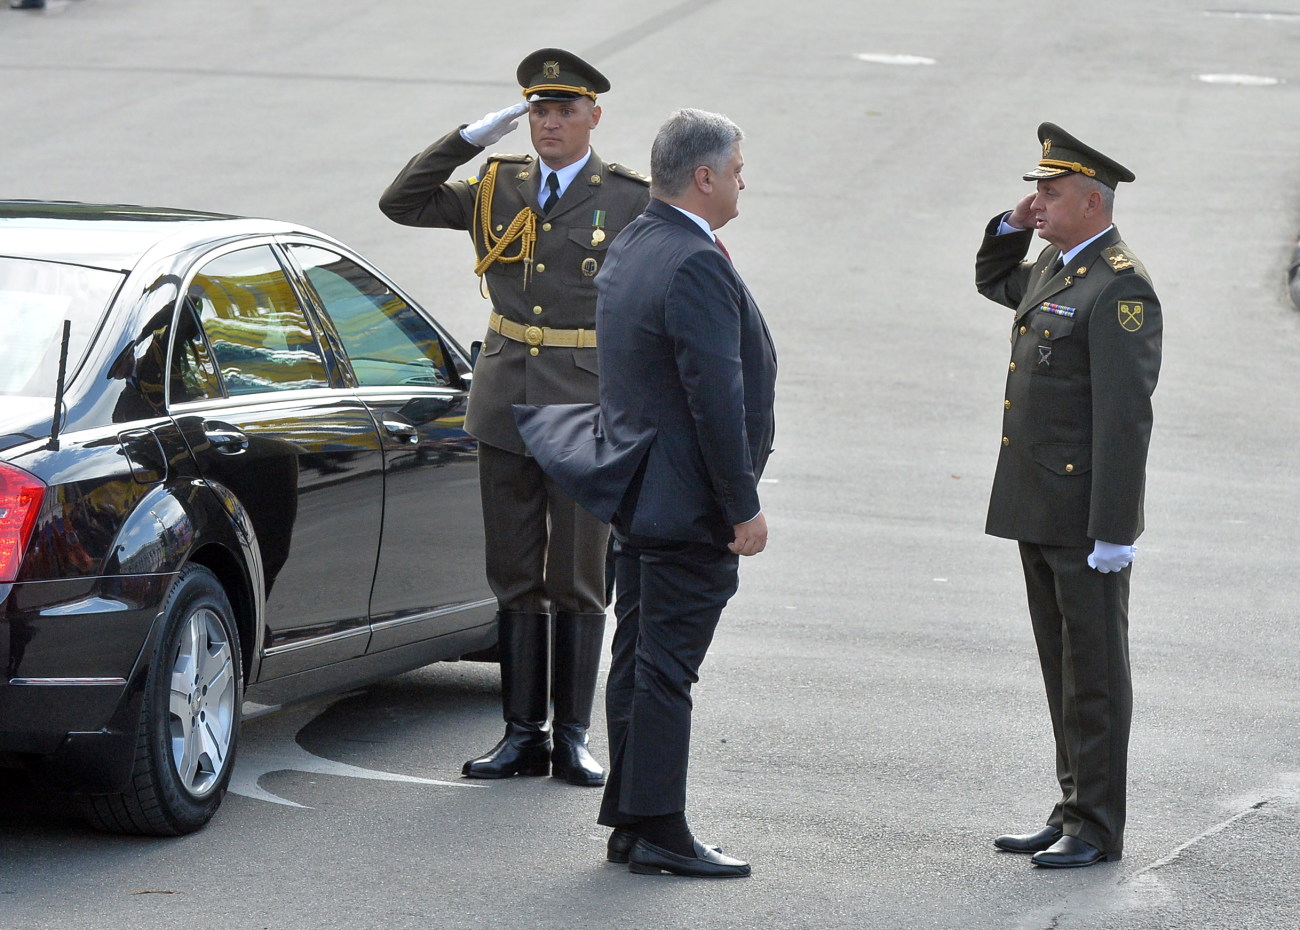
{"points": [[189, 718]]}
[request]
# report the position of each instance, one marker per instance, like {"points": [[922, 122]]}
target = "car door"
{"points": [[253, 393], [430, 578]]}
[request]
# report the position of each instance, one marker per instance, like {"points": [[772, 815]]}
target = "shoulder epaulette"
{"points": [[1119, 259], [626, 172], [521, 159]]}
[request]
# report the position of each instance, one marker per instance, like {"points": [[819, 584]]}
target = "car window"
{"points": [[193, 373], [35, 298], [386, 339], [259, 336]]}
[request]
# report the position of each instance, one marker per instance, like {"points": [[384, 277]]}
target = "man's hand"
{"points": [[1022, 217], [1109, 557], [494, 127], [751, 537]]}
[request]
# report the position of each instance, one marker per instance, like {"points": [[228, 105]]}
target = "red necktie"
{"points": [[723, 248]]}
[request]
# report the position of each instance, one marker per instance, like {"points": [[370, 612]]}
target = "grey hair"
{"points": [[1107, 193], [690, 138]]}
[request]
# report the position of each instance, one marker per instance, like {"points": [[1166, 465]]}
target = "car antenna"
{"points": [[58, 387]]}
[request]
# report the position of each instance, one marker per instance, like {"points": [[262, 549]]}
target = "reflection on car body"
{"points": [[261, 491]]}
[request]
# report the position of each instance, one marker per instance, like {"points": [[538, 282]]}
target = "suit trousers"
{"points": [[670, 597], [544, 551], [1080, 621]]}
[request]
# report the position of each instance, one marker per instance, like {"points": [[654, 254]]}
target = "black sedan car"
{"points": [[233, 474]]}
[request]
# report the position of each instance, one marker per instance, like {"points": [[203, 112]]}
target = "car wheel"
{"points": [[189, 720]]}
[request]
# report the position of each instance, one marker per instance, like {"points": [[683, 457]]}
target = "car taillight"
{"points": [[20, 498]]}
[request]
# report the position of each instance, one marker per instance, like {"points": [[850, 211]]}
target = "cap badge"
{"points": [[550, 70], [1047, 147]]}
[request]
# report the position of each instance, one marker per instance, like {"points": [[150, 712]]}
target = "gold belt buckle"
{"points": [[533, 335]]}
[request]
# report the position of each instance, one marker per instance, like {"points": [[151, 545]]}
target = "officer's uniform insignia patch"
{"points": [[1118, 259], [1130, 315]]}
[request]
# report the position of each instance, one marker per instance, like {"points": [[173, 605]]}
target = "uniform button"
{"points": [[541, 267], [534, 350], [546, 227], [1069, 469], [537, 309], [1006, 441], [1013, 366], [500, 227], [1006, 405], [1047, 334], [1023, 330]]}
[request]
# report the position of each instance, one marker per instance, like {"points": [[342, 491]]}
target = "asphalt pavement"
{"points": [[871, 713]]}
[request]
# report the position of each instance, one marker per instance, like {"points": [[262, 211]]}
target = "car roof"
{"points": [[114, 236]]}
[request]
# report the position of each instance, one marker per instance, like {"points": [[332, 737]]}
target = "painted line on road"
{"points": [[1243, 80], [883, 59], [1255, 14]]}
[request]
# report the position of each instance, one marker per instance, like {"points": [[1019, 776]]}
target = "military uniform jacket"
{"points": [[1085, 356], [560, 290]]}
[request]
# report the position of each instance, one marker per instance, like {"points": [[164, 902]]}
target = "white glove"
{"points": [[494, 127], [1108, 557]]}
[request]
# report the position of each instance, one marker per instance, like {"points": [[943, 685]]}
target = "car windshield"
{"points": [[35, 298]]}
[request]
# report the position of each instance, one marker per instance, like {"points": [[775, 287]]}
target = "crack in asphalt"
{"points": [[1141, 888]]}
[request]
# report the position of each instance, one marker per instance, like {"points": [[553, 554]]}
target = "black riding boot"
{"points": [[525, 642], [578, 639]]}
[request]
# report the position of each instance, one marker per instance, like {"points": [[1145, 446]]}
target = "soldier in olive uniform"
{"points": [[1085, 355], [540, 228]]}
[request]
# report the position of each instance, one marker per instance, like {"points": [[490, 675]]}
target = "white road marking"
{"points": [[880, 59], [271, 745], [1245, 80]]}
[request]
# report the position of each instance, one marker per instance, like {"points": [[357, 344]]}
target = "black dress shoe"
{"points": [[620, 844], [1028, 842], [1070, 852], [648, 859]]}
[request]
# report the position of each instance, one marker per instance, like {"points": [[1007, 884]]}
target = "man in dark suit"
{"points": [[540, 227], [672, 457], [1085, 355]]}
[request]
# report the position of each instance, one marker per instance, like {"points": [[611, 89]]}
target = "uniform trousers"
{"points": [[544, 552], [670, 597], [1080, 622]]}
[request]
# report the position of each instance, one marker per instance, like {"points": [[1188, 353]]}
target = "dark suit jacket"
{"points": [[685, 422], [1085, 355]]}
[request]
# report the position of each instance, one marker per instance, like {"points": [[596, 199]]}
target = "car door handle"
{"points": [[403, 432], [225, 438]]}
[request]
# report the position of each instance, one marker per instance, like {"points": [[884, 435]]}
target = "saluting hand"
{"points": [[1022, 217], [751, 537], [494, 126]]}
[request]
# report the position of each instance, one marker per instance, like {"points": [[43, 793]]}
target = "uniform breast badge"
{"points": [[1131, 316]]}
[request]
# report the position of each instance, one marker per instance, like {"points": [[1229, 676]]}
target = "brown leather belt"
{"points": [[542, 335]]}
